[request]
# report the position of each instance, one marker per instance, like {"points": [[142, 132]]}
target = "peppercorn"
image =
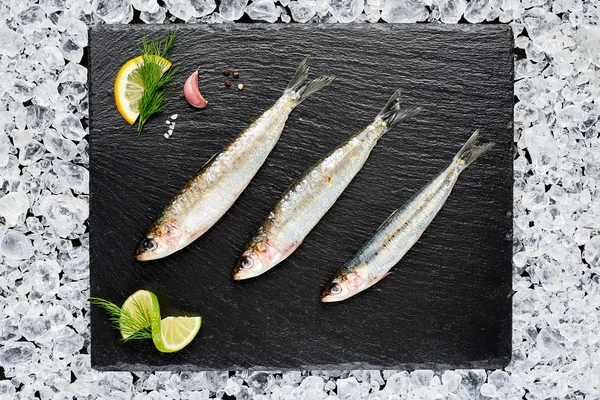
{"points": [[226, 72], [227, 82], [236, 74]]}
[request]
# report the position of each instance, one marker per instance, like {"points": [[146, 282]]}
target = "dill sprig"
{"points": [[152, 77], [135, 327]]}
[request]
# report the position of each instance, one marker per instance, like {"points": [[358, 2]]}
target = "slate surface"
{"points": [[448, 302]]}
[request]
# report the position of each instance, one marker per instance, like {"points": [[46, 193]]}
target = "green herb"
{"points": [[133, 327], [152, 77]]}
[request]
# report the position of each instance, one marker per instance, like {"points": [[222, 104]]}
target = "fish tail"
{"points": [[471, 151], [392, 114], [302, 89]]}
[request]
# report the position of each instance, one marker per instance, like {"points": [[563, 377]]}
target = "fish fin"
{"points": [[299, 77], [380, 277], [313, 86], [299, 86], [210, 160], [471, 151], [294, 182], [290, 250], [392, 114]]}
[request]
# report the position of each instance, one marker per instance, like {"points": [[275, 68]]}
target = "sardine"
{"points": [[313, 194], [214, 189], [401, 230]]}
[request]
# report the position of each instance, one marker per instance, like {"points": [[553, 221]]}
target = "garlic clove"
{"points": [[192, 92]]}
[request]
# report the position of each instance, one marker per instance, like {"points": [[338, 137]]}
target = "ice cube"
{"points": [[15, 354], [489, 390], [421, 377], [145, 5], [13, 206], [231, 10], [59, 146], [398, 383], [63, 212], [71, 50], [39, 118], [67, 342], [34, 328], [232, 387], [74, 176], [22, 90], [154, 17], [500, 380], [477, 10], [16, 245], [451, 379], [301, 13], [404, 11], [259, 381], [8, 390], [69, 126], [50, 57], [46, 278], [263, 10], [59, 316], [345, 10], [203, 8], [540, 23], [182, 9], [451, 10], [73, 91], [31, 17], [348, 389], [11, 43], [471, 382], [113, 11]]}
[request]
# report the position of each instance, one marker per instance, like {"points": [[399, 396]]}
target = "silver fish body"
{"points": [[400, 231], [308, 199], [214, 189]]}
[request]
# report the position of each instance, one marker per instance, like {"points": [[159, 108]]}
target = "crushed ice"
{"points": [[44, 286]]}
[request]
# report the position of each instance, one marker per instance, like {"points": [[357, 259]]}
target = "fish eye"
{"points": [[148, 244], [335, 288], [246, 262]]}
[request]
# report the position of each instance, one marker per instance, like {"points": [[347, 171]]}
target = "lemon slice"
{"points": [[139, 306], [176, 333], [129, 87]]}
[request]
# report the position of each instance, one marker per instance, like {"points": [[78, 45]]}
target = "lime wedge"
{"points": [[138, 307], [176, 333]]}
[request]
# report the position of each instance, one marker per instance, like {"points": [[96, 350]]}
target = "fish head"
{"points": [[161, 240], [342, 287], [257, 259]]}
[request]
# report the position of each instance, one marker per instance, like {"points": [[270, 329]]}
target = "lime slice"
{"points": [[176, 333]]}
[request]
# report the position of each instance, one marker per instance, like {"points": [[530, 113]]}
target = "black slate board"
{"points": [[448, 302]]}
